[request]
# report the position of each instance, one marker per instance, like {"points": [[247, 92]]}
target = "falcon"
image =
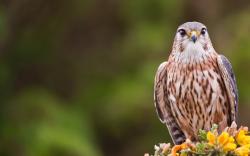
{"points": [[196, 87]]}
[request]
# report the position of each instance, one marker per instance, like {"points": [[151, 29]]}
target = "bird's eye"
{"points": [[203, 31], [182, 32]]}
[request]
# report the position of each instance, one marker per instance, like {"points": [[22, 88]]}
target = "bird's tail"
{"points": [[175, 132]]}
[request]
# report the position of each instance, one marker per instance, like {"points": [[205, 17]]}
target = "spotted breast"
{"points": [[197, 95]]}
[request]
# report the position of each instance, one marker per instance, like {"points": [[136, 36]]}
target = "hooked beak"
{"points": [[193, 36]]}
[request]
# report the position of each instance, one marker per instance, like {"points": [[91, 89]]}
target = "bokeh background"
{"points": [[76, 77]]}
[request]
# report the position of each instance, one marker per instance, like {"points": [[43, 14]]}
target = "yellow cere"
{"points": [[194, 32]]}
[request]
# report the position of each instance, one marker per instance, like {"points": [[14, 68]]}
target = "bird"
{"points": [[196, 87]]}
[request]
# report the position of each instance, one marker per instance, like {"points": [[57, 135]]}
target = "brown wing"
{"points": [[163, 107], [230, 83]]}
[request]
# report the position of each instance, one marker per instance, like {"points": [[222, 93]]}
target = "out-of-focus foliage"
{"points": [[76, 76]]}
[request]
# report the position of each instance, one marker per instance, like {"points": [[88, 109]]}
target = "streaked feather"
{"points": [[231, 86], [163, 107]]}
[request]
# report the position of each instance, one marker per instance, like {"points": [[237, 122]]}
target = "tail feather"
{"points": [[175, 132]]}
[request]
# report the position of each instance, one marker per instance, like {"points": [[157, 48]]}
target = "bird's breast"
{"points": [[196, 93]]}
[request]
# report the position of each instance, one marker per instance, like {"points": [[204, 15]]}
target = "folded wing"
{"points": [[163, 107], [231, 86]]}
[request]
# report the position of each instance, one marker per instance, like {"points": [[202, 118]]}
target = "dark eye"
{"points": [[182, 32], [203, 31]]}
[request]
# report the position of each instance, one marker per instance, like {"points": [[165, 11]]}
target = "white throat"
{"points": [[192, 53]]}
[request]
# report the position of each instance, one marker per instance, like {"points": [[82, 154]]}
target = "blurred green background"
{"points": [[76, 77]]}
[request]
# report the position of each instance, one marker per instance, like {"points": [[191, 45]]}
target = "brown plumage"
{"points": [[196, 87]]}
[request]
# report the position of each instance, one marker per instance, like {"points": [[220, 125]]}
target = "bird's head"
{"points": [[192, 38]]}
